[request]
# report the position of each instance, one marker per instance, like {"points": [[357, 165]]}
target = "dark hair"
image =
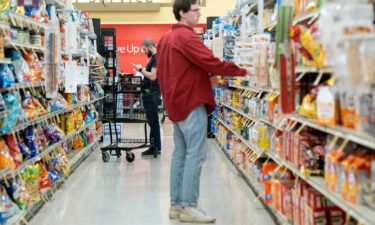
{"points": [[148, 43], [183, 5]]}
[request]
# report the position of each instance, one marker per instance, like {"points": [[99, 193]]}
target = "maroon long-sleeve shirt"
{"points": [[183, 68]]}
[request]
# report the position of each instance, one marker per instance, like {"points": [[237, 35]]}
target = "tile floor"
{"points": [[137, 193]]}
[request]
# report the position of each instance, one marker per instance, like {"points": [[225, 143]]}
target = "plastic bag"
{"points": [[89, 136], [14, 150], [18, 193], [40, 140], [84, 139], [10, 207], [30, 141], [6, 76], [69, 123], [39, 107], [29, 107], [2, 103], [308, 106], [58, 104], [44, 176], [13, 104], [53, 133], [31, 177], [35, 66], [27, 154], [6, 160], [44, 102], [78, 142], [21, 68]]}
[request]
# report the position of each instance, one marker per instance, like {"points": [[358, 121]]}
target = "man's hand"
{"points": [[136, 67]]}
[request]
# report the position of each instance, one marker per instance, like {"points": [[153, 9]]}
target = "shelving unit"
{"points": [[293, 123], [76, 156], [256, 89]]}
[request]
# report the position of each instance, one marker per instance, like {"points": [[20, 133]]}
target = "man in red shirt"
{"points": [[184, 64]]}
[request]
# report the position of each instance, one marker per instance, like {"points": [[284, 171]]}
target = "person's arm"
{"points": [[150, 75], [203, 57]]}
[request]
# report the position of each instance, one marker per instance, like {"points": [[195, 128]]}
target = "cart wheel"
{"points": [[106, 157], [130, 157]]}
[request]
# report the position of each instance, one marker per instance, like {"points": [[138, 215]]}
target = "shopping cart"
{"points": [[123, 106]]}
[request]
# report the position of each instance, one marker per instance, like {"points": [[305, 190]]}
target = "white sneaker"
{"points": [[195, 215], [175, 211]]}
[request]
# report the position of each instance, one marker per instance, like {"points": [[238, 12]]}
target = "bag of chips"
{"points": [[69, 123], [10, 207], [6, 160], [58, 104], [6, 76], [40, 140], [35, 66], [39, 107], [45, 181], [29, 107], [14, 150], [78, 142], [53, 133], [21, 68], [30, 141], [18, 192], [32, 180]]}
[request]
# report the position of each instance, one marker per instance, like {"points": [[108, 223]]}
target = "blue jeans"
{"points": [[151, 103], [188, 157]]}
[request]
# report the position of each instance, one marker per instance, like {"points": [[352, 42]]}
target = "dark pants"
{"points": [[151, 103]]}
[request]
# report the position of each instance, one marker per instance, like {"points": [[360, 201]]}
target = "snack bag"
{"points": [[18, 192], [31, 177], [59, 103], [40, 139], [35, 66], [39, 107], [14, 150], [53, 133], [29, 107], [9, 207], [308, 106], [44, 176], [77, 142], [13, 104], [84, 140], [30, 141], [6, 76], [21, 68], [6, 160], [69, 123], [89, 136]]}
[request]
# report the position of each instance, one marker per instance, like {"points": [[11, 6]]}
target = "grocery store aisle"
{"points": [[121, 193]]}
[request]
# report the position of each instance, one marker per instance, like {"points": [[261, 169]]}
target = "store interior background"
{"points": [[134, 26]]}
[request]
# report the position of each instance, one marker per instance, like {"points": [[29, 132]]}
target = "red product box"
{"points": [[316, 200], [297, 213], [288, 145], [287, 201], [299, 142], [335, 216], [317, 217]]}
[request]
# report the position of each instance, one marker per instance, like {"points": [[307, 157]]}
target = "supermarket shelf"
{"points": [[49, 116], [271, 26], [259, 119], [269, 90], [342, 132], [311, 69], [75, 160], [259, 151], [5, 61], [4, 27], [361, 213], [48, 150], [17, 86], [305, 17], [19, 20], [19, 46], [282, 220]]}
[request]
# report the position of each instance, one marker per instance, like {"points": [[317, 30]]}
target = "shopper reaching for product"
{"points": [[184, 64], [150, 95]]}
